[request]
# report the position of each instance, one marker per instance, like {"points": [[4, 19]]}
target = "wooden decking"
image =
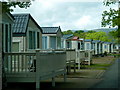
{"points": [[19, 67], [42, 64]]}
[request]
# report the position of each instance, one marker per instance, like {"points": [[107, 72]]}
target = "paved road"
{"points": [[111, 78]]}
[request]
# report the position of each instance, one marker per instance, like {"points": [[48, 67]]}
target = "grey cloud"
{"points": [[66, 14]]}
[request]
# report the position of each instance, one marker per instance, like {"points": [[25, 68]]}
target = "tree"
{"points": [[68, 32], [113, 36], [81, 35], [79, 31], [112, 17], [91, 31], [102, 36], [6, 6]]}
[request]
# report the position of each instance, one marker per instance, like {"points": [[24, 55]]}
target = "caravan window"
{"points": [[88, 46], [38, 40], [32, 40], [105, 46]]}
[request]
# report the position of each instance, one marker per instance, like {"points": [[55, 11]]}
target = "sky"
{"points": [[68, 14]]}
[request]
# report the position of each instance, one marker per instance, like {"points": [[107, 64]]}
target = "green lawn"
{"points": [[116, 55], [96, 66]]}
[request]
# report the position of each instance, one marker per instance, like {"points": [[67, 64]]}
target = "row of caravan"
{"points": [[98, 47], [21, 33], [22, 36]]}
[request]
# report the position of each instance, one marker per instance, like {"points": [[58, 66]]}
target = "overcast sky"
{"points": [[68, 14]]}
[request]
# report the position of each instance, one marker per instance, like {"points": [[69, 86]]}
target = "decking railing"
{"points": [[70, 53], [70, 57], [19, 62], [34, 67], [88, 56], [80, 57]]}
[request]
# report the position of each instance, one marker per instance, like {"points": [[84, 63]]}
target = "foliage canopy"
{"points": [[111, 18], [6, 6]]}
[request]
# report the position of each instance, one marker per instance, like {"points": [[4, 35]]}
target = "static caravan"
{"points": [[51, 37], [6, 23], [117, 46], [65, 41], [101, 47], [73, 42], [106, 47], [82, 43], [110, 47], [96, 47], [27, 34], [88, 44], [77, 43], [5, 41]]}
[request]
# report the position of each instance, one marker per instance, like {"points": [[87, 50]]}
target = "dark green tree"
{"points": [[111, 18], [91, 31], [67, 32], [79, 31], [6, 6], [113, 36], [98, 36]]}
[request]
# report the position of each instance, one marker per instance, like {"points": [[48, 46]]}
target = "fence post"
{"points": [[89, 57], [53, 81], [65, 74], [37, 71], [79, 59], [74, 66]]}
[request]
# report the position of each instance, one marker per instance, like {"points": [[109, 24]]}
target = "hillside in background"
{"points": [[103, 34], [107, 30]]}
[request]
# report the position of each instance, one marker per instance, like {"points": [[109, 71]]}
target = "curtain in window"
{"points": [[30, 39], [10, 37], [44, 42], [58, 42], [38, 40], [53, 42], [34, 42], [88, 46], [6, 37], [105, 46]]}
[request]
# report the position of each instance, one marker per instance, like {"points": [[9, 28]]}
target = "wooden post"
{"points": [[65, 74], [69, 67], [53, 81], [37, 72], [74, 67], [79, 65], [89, 58], [79, 59]]}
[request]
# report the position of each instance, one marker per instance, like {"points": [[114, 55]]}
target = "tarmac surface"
{"points": [[111, 78]]}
